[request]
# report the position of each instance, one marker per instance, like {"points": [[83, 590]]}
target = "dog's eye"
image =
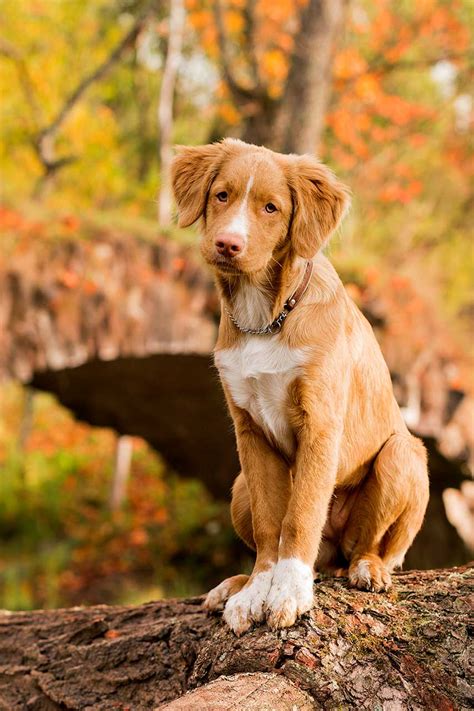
{"points": [[270, 207], [222, 196]]}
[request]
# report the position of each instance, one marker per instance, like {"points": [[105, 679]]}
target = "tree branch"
{"points": [[45, 139], [8, 50], [250, 44], [91, 78], [383, 67], [239, 93]]}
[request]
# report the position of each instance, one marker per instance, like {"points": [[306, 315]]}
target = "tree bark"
{"points": [[404, 650]]}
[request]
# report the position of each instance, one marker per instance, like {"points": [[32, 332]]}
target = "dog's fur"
{"points": [[330, 476]]}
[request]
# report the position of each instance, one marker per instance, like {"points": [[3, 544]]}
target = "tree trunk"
{"points": [[165, 108], [259, 123], [121, 475], [26, 423], [293, 123], [403, 650], [300, 118]]}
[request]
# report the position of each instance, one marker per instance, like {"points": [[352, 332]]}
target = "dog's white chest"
{"points": [[258, 373]]}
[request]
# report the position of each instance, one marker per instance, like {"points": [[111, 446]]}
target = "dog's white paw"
{"points": [[228, 587], [291, 593], [247, 606]]}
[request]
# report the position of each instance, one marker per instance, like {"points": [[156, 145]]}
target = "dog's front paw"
{"points": [[222, 592], [247, 606], [291, 593]]}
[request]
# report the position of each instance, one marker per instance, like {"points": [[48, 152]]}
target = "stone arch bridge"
{"points": [[121, 331]]}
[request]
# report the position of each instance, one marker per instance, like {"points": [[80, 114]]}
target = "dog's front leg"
{"points": [[269, 484], [315, 471]]}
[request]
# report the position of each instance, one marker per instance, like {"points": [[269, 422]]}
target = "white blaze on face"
{"points": [[240, 222]]}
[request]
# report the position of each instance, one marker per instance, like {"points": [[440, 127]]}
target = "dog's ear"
{"points": [[192, 172], [320, 202]]}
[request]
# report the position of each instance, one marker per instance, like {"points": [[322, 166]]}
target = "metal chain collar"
{"points": [[276, 325], [270, 328]]}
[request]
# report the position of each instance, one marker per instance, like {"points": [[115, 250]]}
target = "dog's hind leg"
{"points": [[387, 514], [240, 511], [218, 595]]}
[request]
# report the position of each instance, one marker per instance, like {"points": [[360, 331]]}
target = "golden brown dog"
{"points": [[330, 476]]}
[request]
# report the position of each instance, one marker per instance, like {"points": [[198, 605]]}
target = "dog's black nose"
{"points": [[229, 244]]}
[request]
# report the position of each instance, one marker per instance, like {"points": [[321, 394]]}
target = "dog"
{"points": [[331, 479]]}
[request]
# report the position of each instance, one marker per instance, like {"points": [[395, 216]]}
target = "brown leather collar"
{"points": [[277, 323], [290, 303]]}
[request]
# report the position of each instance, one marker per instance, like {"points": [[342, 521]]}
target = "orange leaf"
{"points": [[112, 634]]}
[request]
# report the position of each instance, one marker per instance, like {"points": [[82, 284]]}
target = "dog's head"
{"points": [[255, 203]]}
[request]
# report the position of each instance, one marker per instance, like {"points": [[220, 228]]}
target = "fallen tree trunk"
{"points": [[404, 650]]}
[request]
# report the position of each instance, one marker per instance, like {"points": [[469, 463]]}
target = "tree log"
{"points": [[404, 650]]}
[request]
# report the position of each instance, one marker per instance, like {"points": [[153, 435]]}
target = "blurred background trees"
{"points": [[93, 95], [386, 99]]}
